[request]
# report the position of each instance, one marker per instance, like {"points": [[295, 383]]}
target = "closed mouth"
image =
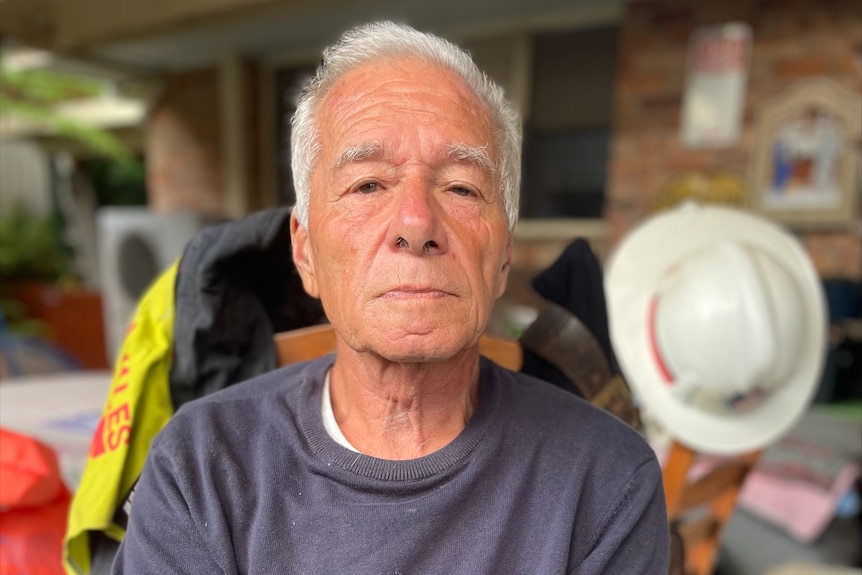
{"points": [[408, 292]]}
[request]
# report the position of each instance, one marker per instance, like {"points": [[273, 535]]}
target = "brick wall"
{"points": [[183, 145], [791, 39]]}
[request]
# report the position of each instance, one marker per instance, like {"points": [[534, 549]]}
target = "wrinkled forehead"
{"points": [[410, 82]]}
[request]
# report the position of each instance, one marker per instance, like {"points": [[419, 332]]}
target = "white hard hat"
{"points": [[719, 324]]}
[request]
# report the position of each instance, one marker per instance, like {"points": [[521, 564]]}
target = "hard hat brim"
{"points": [[634, 274]]}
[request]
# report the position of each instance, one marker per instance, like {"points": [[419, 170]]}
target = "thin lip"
{"points": [[414, 290]]}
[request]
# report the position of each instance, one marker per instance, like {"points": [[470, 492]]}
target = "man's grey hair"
{"points": [[383, 40]]}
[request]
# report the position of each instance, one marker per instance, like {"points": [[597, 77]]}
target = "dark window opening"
{"points": [[568, 128]]}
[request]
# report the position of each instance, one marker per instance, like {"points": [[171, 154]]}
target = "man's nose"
{"points": [[416, 224]]}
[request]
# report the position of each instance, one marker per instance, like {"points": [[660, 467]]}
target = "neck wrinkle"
{"points": [[403, 411]]}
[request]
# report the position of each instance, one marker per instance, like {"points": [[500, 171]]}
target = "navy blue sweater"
{"points": [[247, 480]]}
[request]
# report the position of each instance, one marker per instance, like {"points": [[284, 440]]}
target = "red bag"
{"points": [[34, 504]]}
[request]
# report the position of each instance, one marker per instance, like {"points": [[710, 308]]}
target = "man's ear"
{"points": [[302, 257]]}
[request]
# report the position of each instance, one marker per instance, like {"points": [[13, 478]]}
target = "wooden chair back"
{"points": [[699, 507], [312, 342]]}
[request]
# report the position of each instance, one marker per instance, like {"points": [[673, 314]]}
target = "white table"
{"points": [[62, 410]]}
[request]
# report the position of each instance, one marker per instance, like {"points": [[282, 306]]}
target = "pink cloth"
{"points": [[800, 501], [802, 509]]}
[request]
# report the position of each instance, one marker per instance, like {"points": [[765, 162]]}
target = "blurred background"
{"points": [[125, 128]]}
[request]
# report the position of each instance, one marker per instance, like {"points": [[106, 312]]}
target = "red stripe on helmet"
{"points": [[652, 343]]}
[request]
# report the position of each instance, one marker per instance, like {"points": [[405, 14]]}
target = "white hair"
{"points": [[383, 40]]}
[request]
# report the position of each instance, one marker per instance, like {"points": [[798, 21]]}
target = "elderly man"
{"points": [[405, 452]]}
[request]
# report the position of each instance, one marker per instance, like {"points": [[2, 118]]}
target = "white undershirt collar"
{"points": [[328, 415]]}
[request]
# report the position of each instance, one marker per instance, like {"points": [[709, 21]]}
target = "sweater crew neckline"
{"points": [[330, 453]]}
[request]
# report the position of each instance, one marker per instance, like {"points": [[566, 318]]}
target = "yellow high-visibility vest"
{"points": [[137, 407]]}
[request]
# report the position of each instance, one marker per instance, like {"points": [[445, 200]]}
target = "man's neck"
{"points": [[403, 411]]}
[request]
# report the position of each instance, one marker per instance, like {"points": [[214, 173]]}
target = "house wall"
{"points": [[183, 145], [791, 40], [203, 144]]}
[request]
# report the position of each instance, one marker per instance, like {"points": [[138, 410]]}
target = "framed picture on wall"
{"points": [[806, 170]]}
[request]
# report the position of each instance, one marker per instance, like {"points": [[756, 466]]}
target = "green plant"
{"points": [[115, 183], [30, 246], [33, 95]]}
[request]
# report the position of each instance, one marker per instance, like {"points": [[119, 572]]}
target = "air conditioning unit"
{"points": [[135, 246]]}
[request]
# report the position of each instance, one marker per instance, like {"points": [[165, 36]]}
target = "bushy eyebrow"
{"points": [[360, 152], [459, 152], [472, 154]]}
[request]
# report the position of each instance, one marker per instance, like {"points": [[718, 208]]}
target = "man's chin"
{"points": [[420, 349], [415, 356]]}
